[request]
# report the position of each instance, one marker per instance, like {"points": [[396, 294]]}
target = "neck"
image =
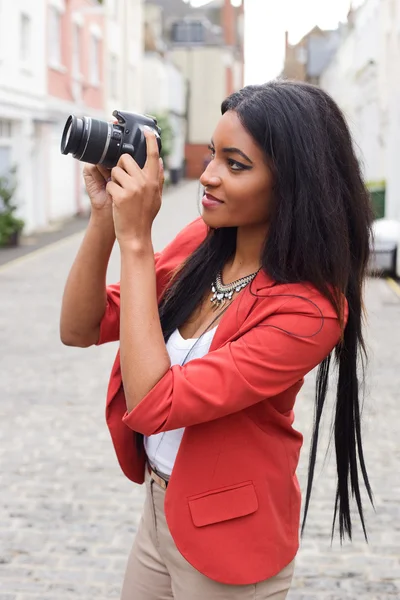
{"points": [[247, 259]]}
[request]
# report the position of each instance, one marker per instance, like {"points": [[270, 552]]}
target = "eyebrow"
{"points": [[236, 151]]}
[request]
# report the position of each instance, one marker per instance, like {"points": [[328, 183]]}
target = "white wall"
{"points": [[205, 69], [364, 79], [124, 51], [155, 83], [164, 91], [391, 41], [352, 79]]}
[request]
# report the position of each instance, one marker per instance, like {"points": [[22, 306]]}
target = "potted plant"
{"points": [[10, 225]]}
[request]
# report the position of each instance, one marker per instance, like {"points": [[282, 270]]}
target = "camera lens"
{"points": [[86, 139], [72, 135]]}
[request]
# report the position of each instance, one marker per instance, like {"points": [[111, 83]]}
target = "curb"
{"points": [[394, 286]]}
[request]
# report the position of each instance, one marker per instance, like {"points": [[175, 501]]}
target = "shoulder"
{"points": [[301, 299]]}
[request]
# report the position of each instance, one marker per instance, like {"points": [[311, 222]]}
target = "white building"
{"points": [[164, 87], [23, 86], [164, 93], [390, 73], [364, 80], [61, 57], [124, 55]]}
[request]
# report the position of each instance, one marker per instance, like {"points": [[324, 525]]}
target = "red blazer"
{"points": [[233, 501]]}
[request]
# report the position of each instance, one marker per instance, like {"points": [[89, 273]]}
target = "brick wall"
{"points": [[196, 158]]}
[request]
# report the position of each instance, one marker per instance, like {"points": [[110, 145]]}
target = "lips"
{"points": [[212, 198]]}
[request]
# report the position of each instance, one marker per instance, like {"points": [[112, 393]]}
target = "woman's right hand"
{"points": [[96, 178]]}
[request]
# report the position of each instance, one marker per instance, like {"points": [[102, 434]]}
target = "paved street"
{"points": [[67, 514]]}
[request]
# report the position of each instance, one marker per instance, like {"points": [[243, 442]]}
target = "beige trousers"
{"points": [[157, 571]]}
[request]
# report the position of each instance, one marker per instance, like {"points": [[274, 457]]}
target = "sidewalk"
{"points": [[61, 230]]}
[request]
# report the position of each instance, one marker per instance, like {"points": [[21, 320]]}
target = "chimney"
{"points": [[229, 23]]}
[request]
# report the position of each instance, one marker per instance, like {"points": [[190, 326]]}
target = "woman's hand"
{"points": [[96, 178], [136, 194]]}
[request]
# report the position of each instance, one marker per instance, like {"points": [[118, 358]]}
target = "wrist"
{"points": [[137, 246], [102, 217]]}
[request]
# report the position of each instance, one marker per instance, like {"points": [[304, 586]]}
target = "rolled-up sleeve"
{"points": [[166, 262], [265, 361], [109, 325]]}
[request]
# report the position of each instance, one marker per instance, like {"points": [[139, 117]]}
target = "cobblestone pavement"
{"points": [[68, 516]]}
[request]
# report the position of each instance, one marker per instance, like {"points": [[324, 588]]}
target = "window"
{"points": [[76, 49], [188, 32], [5, 129], [25, 37], [5, 146], [55, 22], [114, 7], [301, 55], [94, 60]]}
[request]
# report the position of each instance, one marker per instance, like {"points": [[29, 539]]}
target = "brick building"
{"points": [[306, 60], [206, 44]]}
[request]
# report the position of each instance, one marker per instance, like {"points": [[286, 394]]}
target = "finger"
{"points": [[152, 166], [121, 177], [161, 175], [112, 188], [129, 165], [92, 171], [105, 173]]}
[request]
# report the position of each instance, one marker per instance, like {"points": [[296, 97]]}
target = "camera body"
{"points": [[98, 142]]}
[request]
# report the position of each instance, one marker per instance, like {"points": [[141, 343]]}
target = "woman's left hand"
{"points": [[136, 194]]}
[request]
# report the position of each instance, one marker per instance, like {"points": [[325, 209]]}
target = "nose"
{"points": [[209, 177]]}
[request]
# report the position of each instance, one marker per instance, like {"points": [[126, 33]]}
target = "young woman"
{"points": [[216, 334]]}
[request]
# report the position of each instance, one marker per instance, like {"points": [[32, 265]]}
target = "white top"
{"points": [[162, 448]]}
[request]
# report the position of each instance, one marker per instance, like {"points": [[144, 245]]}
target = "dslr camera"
{"points": [[102, 143]]}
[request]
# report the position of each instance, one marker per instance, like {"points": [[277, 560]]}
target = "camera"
{"points": [[99, 142]]}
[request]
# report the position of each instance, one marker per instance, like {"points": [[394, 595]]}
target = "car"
{"points": [[385, 245]]}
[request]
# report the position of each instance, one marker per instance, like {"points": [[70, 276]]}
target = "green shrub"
{"points": [[167, 134], [9, 223]]}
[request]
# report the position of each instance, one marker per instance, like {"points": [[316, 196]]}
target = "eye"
{"points": [[212, 150], [236, 166]]}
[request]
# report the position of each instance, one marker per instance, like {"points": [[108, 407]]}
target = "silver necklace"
{"points": [[222, 293]]}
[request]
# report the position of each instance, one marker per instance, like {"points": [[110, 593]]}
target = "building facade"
{"points": [[75, 85], [164, 89], [306, 60], [390, 82], [23, 87], [61, 57], [364, 80], [123, 55], [206, 45]]}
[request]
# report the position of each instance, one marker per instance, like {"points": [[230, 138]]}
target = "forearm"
{"points": [[84, 299], [144, 356]]}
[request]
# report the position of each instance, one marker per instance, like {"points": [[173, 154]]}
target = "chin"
{"points": [[214, 222]]}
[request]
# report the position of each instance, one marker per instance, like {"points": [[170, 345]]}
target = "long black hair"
{"points": [[319, 232]]}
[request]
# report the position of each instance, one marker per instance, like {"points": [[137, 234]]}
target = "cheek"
{"points": [[260, 208], [256, 199]]}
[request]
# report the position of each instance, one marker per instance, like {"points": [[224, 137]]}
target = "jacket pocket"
{"points": [[223, 504]]}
